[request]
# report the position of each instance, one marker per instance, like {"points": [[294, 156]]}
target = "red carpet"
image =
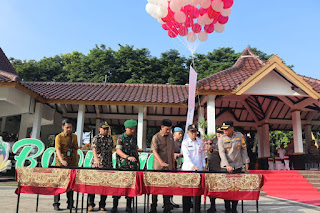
{"points": [[289, 185]]}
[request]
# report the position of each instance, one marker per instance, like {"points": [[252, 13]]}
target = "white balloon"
{"points": [[188, 2], [217, 5], [160, 21], [191, 36], [180, 17], [175, 6], [154, 1], [151, 9], [201, 20], [164, 3], [163, 12], [219, 28], [203, 36], [226, 12], [205, 3], [195, 3], [209, 21]]}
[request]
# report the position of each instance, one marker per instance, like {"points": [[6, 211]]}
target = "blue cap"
{"points": [[177, 129]]}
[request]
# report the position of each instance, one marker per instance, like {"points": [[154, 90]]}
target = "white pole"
{"points": [[211, 114], [140, 127], [80, 123], [297, 132], [36, 128]]}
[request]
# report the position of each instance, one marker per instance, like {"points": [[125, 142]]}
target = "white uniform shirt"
{"points": [[193, 154]]}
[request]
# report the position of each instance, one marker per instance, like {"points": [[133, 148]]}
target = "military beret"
{"points": [[177, 129], [130, 123]]}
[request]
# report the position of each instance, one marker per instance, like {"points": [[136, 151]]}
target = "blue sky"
{"points": [[35, 29]]}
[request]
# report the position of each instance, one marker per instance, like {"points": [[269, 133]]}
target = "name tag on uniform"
{"points": [[238, 138], [226, 141]]}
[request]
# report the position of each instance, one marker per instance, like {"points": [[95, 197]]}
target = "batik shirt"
{"points": [[103, 145], [128, 145]]}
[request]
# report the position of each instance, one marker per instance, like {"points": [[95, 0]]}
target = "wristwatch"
{"points": [[127, 156]]}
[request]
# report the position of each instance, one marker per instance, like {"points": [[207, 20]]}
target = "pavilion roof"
{"points": [[7, 71], [227, 80], [115, 92]]}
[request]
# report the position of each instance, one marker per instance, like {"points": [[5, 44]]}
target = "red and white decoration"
{"points": [[191, 18]]}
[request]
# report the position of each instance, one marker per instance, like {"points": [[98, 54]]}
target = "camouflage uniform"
{"points": [[128, 145], [103, 145]]}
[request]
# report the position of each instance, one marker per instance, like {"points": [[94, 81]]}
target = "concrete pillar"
{"points": [[211, 114], [266, 140], [98, 121], [201, 117], [308, 135], [144, 137], [23, 126], [36, 127], [297, 132], [3, 124], [260, 142], [80, 123], [140, 127]]}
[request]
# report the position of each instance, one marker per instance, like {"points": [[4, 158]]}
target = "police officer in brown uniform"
{"points": [[233, 154]]}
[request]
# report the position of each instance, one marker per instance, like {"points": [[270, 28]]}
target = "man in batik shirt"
{"points": [[101, 146], [127, 157]]}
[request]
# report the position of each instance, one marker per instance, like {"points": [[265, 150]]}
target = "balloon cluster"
{"points": [[191, 18]]}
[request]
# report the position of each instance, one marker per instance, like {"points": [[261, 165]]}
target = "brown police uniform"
{"points": [[233, 151]]}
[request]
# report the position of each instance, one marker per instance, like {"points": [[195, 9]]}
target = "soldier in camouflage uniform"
{"points": [[127, 157], [102, 145], [233, 154]]}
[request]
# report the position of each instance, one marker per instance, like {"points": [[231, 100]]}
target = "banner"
{"points": [[191, 98]]}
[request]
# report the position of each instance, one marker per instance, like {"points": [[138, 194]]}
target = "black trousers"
{"points": [[102, 202], [166, 202], [186, 203], [56, 199]]}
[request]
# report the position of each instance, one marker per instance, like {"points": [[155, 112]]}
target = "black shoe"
{"points": [[167, 211], [153, 211], [211, 210], [129, 209], [57, 208], [174, 205], [114, 210], [69, 207]]}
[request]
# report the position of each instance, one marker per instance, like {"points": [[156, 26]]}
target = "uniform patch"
{"points": [[226, 141]]}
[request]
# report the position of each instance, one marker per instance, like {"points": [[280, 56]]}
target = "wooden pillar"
{"points": [[297, 132], [211, 114], [80, 123], [260, 142], [266, 140]]}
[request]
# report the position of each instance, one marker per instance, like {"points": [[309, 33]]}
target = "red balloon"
{"points": [[194, 13], [212, 13], [227, 4], [165, 27], [196, 28], [188, 9], [203, 11], [223, 19], [169, 17], [189, 22], [173, 33], [183, 31], [209, 28]]}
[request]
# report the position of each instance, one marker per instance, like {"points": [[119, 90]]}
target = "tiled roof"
{"points": [[313, 82], [7, 72], [8, 77], [247, 64], [150, 93]]}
